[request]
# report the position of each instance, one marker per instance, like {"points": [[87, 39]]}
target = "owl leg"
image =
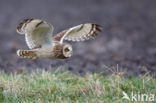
{"points": [[27, 54]]}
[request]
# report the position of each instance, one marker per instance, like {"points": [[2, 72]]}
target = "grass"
{"points": [[64, 87]]}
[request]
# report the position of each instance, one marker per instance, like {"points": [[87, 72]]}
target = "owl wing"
{"points": [[79, 33], [38, 33]]}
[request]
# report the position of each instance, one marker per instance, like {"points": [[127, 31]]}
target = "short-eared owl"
{"points": [[38, 36]]}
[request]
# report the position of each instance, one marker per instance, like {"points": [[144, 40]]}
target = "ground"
{"points": [[128, 40], [65, 87]]}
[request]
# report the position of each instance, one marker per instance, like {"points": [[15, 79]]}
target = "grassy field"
{"points": [[64, 87]]}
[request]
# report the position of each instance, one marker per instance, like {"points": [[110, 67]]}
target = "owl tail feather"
{"points": [[27, 54]]}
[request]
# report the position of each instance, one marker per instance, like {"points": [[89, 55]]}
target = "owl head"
{"points": [[67, 50], [62, 50]]}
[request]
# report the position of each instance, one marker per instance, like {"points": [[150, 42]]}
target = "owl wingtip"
{"points": [[19, 28], [98, 27]]}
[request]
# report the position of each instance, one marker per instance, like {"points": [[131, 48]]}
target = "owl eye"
{"points": [[66, 50]]}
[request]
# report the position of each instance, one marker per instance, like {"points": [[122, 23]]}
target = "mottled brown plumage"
{"points": [[59, 35], [95, 29], [38, 35]]}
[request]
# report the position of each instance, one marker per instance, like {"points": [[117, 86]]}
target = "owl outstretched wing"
{"points": [[79, 33], [38, 33]]}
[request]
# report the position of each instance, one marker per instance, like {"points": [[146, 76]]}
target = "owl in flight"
{"points": [[38, 36]]}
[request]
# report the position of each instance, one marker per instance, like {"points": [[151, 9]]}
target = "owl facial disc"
{"points": [[67, 50]]}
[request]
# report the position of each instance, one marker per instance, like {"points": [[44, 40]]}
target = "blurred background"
{"points": [[128, 40]]}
